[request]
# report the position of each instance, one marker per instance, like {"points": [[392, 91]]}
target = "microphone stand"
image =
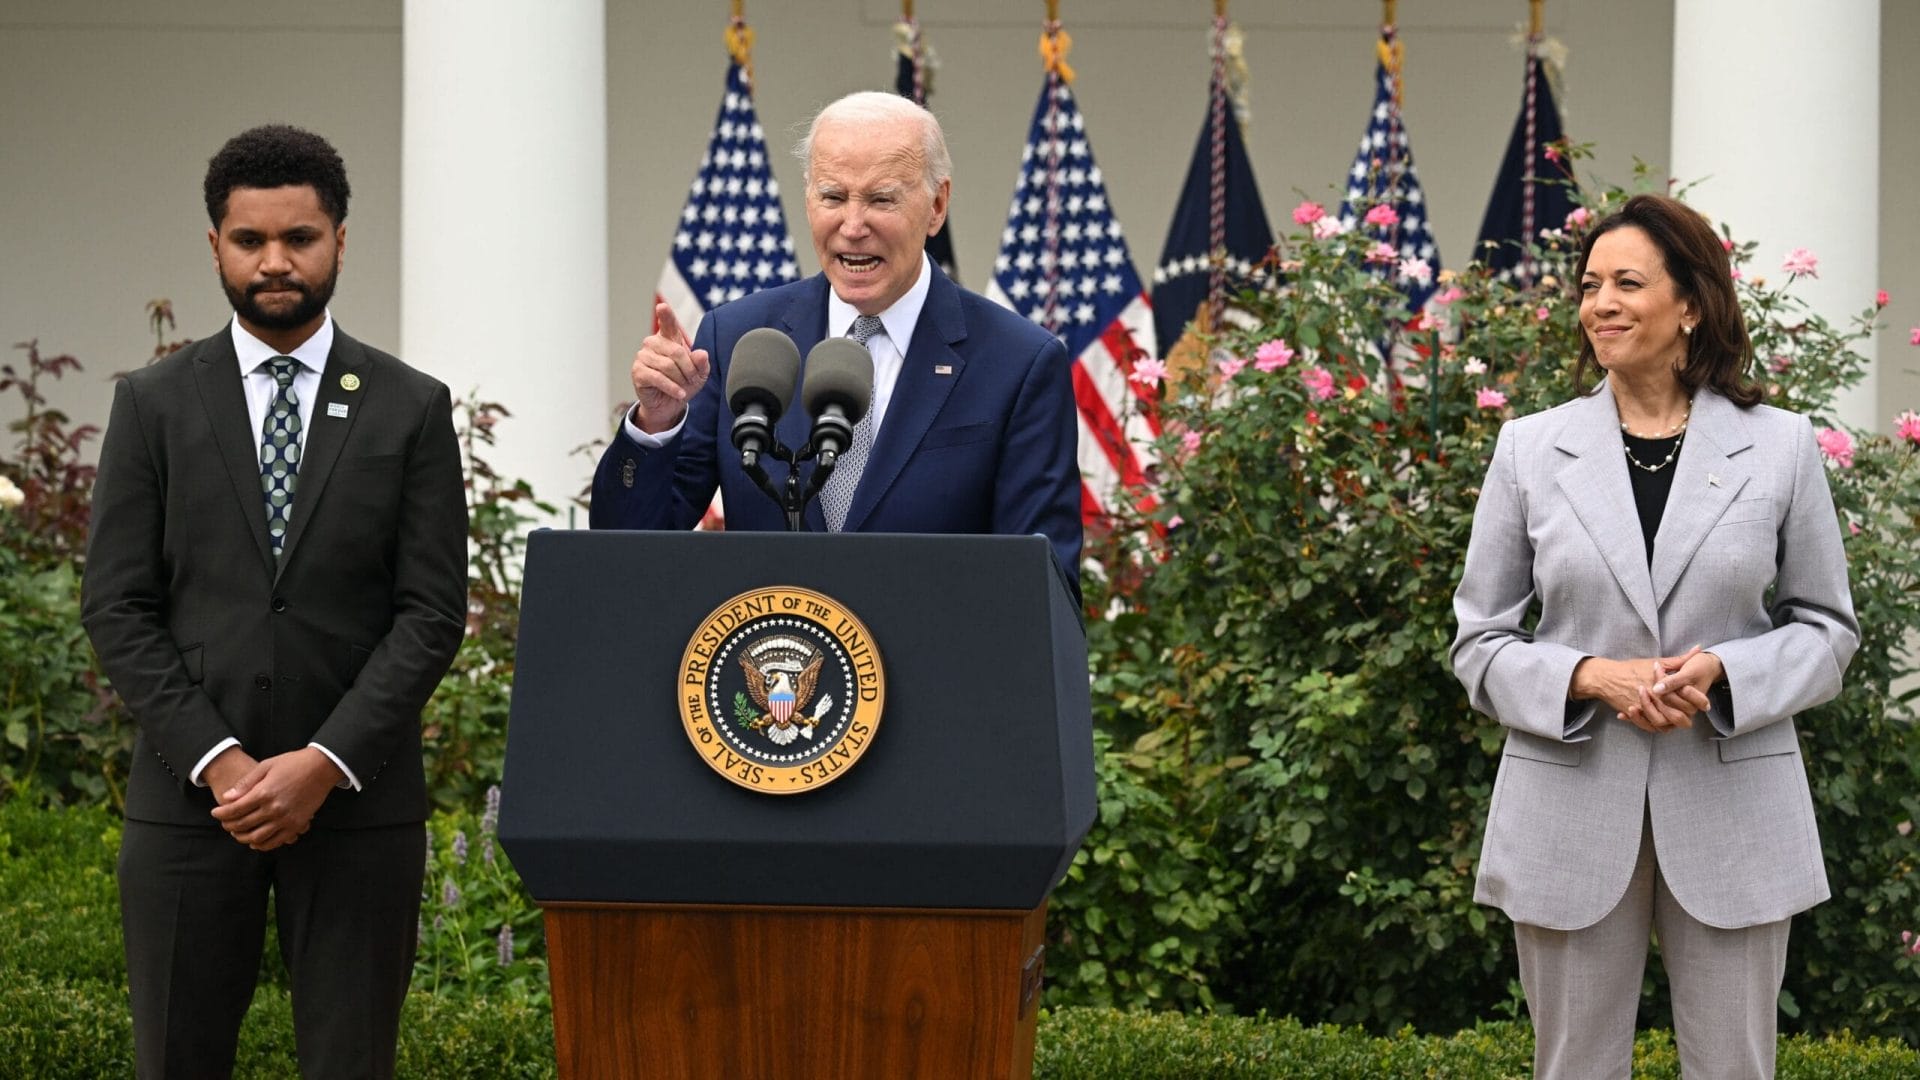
{"points": [[792, 501]]}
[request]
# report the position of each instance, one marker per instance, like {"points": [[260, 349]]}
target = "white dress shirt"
{"points": [[889, 351], [258, 381]]}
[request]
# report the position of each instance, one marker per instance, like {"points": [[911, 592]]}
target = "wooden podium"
{"points": [[889, 923]]}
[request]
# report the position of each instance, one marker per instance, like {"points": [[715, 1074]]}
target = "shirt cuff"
{"points": [[651, 442], [348, 779], [206, 760]]}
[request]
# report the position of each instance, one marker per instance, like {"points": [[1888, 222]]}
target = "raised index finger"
{"points": [[667, 324]]}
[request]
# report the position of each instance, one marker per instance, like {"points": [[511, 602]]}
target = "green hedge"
{"points": [[63, 1006], [54, 1030]]}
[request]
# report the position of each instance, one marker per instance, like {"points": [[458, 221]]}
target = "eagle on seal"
{"points": [[781, 676]]}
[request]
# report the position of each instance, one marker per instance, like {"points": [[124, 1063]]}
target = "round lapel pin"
{"points": [[349, 382]]}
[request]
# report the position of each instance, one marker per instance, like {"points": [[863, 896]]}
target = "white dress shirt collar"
{"points": [[312, 353], [899, 320]]}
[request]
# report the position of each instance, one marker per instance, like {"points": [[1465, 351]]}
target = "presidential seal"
{"points": [[781, 690]]}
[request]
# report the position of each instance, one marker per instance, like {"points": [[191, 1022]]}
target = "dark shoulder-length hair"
{"points": [[1719, 353]]}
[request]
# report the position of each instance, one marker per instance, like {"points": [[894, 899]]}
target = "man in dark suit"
{"points": [[275, 583], [972, 425]]}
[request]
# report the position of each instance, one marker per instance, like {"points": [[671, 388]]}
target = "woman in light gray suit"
{"points": [[1651, 778]]}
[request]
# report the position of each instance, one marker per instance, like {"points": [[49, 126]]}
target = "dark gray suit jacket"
{"points": [[342, 643]]}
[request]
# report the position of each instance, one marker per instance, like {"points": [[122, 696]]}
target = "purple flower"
{"points": [[460, 848], [449, 896], [490, 817], [506, 945]]}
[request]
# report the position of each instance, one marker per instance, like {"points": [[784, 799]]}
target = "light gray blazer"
{"points": [[1556, 527]]}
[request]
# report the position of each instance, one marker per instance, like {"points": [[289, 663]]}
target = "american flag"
{"points": [[732, 238], [912, 79], [1064, 264], [1383, 175], [1524, 201]]}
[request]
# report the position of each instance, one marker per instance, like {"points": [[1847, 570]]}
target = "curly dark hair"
{"points": [[277, 155], [1719, 353]]}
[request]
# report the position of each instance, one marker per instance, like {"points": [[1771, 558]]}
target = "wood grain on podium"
{"points": [[677, 991]]}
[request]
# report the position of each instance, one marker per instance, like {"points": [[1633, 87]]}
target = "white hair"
{"points": [[875, 106]]}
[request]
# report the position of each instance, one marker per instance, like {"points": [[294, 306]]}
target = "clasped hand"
{"points": [[1654, 694], [272, 802]]}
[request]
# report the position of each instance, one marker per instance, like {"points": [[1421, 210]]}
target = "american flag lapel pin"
{"points": [[943, 369], [1712, 480]]}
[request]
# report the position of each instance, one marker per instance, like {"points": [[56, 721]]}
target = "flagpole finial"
{"points": [[1055, 43], [1390, 10], [1219, 9], [1536, 17], [906, 9], [739, 39]]}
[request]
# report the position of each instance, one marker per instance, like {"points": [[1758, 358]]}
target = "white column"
{"points": [[1776, 111], [503, 280]]}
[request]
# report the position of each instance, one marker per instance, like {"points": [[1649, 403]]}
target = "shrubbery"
{"points": [[1272, 666], [1291, 784]]}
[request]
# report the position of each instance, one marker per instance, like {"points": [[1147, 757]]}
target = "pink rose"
{"points": [[1907, 426], [1327, 228], [1382, 253], [1490, 399], [1837, 445], [1551, 153], [1913, 336], [1382, 215], [1801, 261], [1448, 295], [1736, 274], [1578, 218], [1780, 362], [1231, 366], [1416, 270], [1880, 298], [1728, 244], [1272, 356], [1308, 212], [1543, 313], [1191, 441], [1319, 383], [1176, 521], [1148, 370]]}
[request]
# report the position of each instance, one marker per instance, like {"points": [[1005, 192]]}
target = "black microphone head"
{"points": [[765, 365], [839, 372]]}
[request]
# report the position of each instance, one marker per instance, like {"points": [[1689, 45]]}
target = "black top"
{"points": [[1650, 488]]}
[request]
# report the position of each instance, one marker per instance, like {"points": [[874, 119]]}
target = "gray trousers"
{"points": [[1583, 987]]}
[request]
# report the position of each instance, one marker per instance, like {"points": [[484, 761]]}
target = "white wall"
{"points": [[109, 110]]}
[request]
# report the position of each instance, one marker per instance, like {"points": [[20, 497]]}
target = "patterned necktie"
{"points": [[836, 498], [280, 450]]}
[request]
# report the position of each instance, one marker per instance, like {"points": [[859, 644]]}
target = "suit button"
{"points": [[262, 682], [279, 604]]}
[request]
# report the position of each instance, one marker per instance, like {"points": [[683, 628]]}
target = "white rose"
{"points": [[10, 495]]}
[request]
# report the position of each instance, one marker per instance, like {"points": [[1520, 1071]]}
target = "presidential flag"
{"points": [[1219, 232], [1385, 205], [732, 238], [1064, 264], [1530, 193], [913, 80]]}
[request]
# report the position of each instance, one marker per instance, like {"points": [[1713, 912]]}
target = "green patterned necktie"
{"points": [[280, 450]]}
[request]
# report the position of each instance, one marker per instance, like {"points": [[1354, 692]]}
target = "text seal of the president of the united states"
{"points": [[781, 690]]}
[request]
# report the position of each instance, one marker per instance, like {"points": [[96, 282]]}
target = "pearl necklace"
{"points": [[1674, 430], [1671, 455]]}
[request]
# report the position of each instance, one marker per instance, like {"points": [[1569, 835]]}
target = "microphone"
{"points": [[760, 382], [837, 391]]}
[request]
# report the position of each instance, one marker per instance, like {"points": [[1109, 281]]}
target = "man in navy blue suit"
{"points": [[972, 427]]}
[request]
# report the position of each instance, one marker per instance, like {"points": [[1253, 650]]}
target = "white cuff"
{"points": [[651, 442], [350, 781], [206, 760]]}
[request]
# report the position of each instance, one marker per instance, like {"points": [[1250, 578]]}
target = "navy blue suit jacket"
{"points": [[979, 436]]}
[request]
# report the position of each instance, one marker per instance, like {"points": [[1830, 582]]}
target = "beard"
{"points": [[313, 301]]}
